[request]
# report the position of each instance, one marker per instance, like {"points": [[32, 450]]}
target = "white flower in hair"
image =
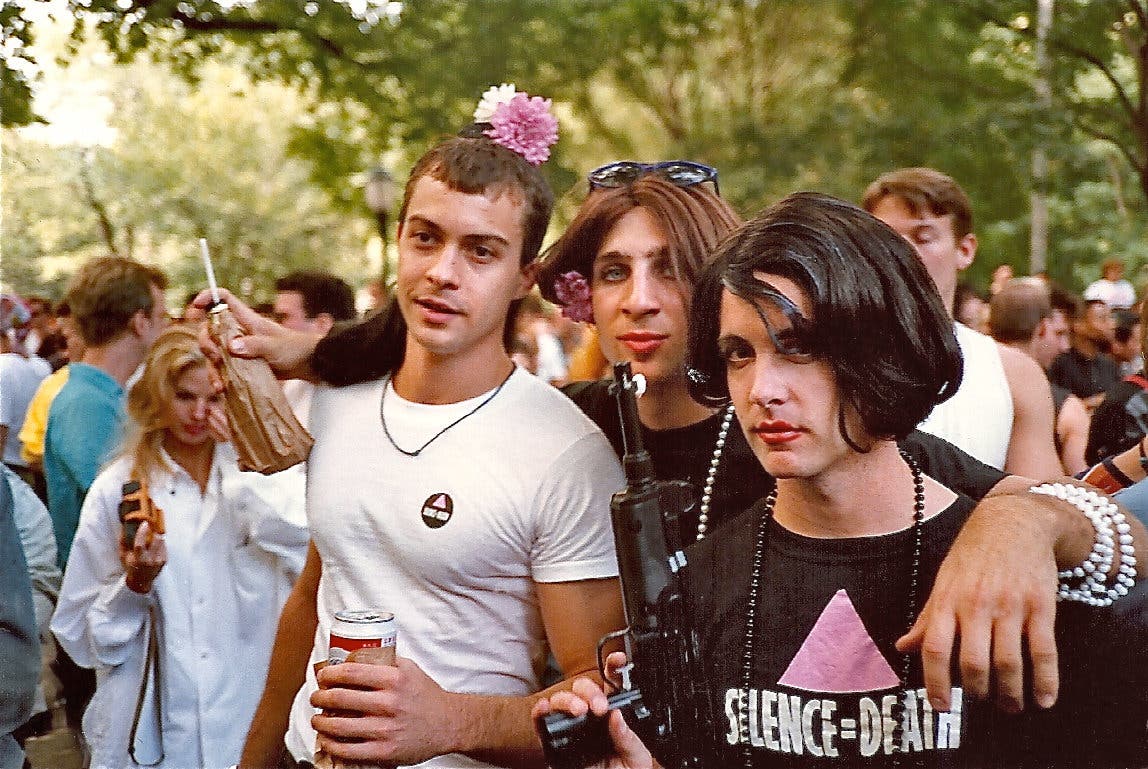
{"points": [[495, 96]]}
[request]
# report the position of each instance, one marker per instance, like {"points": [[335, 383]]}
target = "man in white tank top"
{"points": [[1003, 413]]}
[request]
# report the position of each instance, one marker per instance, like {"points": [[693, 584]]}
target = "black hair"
{"points": [[1064, 300], [472, 164], [321, 292], [877, 318], [1126, 321]]}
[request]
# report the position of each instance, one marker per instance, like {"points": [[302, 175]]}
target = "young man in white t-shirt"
{"points": [[464, 495]]}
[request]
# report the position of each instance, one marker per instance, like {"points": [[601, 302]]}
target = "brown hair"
{"points": [[1111, 263], [695, 219], [175, 352], [923, 190], [1065, 301], [471, 164], [1017, 309], [107, 292], [476, 165], [320, 292]]}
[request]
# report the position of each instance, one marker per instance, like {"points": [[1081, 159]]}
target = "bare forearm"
{"points": [[1071, 534], [285, 676], [499, 730]]}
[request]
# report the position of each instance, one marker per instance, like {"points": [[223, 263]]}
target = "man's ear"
{"points": [[323, 322], [138, 323], [1041, 330], [967, 247], [526, 277]]}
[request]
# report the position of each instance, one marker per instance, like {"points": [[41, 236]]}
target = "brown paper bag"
{"points": [[264, 430]]}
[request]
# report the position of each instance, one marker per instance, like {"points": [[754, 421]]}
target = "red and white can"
{"points": [[361, 629]]}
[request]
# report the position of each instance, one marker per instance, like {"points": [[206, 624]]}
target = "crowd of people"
{"points": [[889, 562]]}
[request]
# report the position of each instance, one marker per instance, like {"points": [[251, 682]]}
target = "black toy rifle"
{"points": [[662, 696]]}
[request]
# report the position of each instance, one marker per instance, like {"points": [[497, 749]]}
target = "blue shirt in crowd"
{"points": [[84, 426]]}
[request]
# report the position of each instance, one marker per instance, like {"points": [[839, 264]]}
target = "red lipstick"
{"points": [[776, 432], [642, 342]]}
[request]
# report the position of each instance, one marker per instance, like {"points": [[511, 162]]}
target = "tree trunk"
{"points": [[1038, 234]]}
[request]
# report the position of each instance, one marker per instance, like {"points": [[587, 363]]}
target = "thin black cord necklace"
{"points": [[436, 436], [749, 646]]}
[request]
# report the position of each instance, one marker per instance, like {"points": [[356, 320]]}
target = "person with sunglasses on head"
{"points": [[628, 262], [822, 329]]}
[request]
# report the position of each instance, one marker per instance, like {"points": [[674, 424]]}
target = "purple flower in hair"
{"points": [[524, 125], [573, 292]]}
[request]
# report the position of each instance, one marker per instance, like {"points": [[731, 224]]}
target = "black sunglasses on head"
{"points": [[683, 173]]}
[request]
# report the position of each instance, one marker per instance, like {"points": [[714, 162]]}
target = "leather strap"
{"points": [[152, 671]]}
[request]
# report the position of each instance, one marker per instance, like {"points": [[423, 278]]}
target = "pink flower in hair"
{"points": [[573, 292], [524, 125]]}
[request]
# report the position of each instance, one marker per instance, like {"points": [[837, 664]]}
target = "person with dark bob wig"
{"points": [[641, 246], [893, 359], [821, 327]]}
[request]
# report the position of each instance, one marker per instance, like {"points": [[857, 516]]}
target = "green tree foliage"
{"points": [[15, 89], [952, 85], [188, 161], [779, 95], [744, 85]]}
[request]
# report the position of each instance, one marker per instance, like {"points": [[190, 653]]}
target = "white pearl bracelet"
{"points": [[1087, 583]]}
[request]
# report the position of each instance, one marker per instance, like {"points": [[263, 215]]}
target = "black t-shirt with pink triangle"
{"points": [[826, 677]]}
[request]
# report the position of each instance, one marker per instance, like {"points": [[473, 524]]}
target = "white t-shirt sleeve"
{"points": [[573, 537]]}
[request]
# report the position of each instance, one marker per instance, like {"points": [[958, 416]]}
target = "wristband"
{"points": [[1087, 582], [1143, 457], [1099, 477], [1117, 473]]}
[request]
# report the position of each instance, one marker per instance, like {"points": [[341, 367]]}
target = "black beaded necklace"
{"points": [[436, 436], [749, 645]]}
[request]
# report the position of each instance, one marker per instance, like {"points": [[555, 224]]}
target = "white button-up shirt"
{"points": [[233, 554]]}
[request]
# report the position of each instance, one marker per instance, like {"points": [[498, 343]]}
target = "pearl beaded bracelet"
{"points": [[1087, 583]]}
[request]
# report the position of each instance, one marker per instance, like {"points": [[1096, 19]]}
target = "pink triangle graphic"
{"points": [[839, 655], [440, 500]]}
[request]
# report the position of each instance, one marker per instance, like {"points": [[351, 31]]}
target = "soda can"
{"points": [[358, 629]]}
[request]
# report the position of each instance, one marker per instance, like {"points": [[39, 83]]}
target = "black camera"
{"points": [[575, 742], [130, 504]]}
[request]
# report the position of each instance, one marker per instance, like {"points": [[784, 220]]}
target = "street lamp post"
{"points": [[380, 192]]}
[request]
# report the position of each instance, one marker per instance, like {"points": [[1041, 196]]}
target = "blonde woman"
{"points": [[179, 623]]}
